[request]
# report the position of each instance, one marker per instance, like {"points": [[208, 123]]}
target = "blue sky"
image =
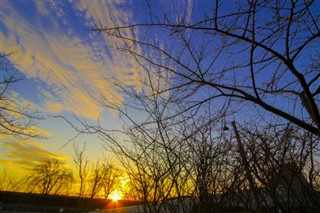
{"points": [[65, 68]]}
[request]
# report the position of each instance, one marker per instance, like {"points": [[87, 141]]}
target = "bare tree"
{"points": [[50, 177], [169, 156], [16, 119], [111, 178], [214, 165], [282, 167], [9, 182], [256, 53], [96, 178], [82, 167], [104, 179], [230, 60], [153, 154]]}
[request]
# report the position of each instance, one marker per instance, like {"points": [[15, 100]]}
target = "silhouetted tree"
{"points": [[82, 167], [111, 178], [104, 178], [16, 119], [256, 60], [50, 177], [10, 182], [255, 53]]}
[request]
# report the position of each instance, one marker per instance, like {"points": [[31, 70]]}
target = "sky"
{"points": [[66, 67]]}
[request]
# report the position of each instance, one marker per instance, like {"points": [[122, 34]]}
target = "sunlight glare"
{"points": [[115, 196]]}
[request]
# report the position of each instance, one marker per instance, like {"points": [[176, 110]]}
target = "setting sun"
{"points": [[115, 196]]}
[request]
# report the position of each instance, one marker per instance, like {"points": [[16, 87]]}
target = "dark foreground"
{"points": [[28, 202]]}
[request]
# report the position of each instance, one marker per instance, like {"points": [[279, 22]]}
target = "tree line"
{"points": [[52, 176]]}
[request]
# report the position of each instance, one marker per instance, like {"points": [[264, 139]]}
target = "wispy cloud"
{"points": [[26, 154], [72, 63]]}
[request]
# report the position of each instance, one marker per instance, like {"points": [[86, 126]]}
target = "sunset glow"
{"points": [[159, 106], [115, 196]]}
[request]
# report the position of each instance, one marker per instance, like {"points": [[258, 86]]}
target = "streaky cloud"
{"points": [[26, 154], [73, 65]]}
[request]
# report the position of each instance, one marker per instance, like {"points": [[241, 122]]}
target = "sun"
{"points": [[115, 196]]}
